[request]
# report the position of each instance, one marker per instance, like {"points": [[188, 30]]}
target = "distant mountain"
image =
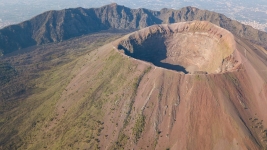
{"points": [[56, 26]]}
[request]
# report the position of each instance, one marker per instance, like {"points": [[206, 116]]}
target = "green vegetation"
{"points": [[137, 80], [49, 114], [121, 142], [7, 72], [198, 77], [139, 126], [8, 86], [147, 70], [232, 78]]}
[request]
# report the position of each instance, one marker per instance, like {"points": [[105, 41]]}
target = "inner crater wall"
{"points": [[190, 47]]}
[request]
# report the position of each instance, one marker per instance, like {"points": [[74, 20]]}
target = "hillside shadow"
{"points": [[150, 51], [171, 67]]}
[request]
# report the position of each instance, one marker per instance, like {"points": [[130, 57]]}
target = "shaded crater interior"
{"points": [[189, 47]]}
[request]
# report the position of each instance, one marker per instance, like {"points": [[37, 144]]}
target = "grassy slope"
{"points": [[37, 122]]}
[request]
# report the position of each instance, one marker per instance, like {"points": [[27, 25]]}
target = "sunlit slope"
{"points": [[105, 99]]}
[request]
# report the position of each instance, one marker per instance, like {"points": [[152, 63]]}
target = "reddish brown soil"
{"points": [[223, 109]]}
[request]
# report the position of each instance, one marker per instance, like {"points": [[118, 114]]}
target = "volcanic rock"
{"points": [[197, 46]]}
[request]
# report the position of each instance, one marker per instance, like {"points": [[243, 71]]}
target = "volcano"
{"points": [[187, 47], [188, 85], [199, 87]]}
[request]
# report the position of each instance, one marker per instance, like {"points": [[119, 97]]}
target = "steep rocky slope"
{"points": [[56, 26], [112, 98], [188, 47]]}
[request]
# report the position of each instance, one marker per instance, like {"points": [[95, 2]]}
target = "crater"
{"points": [[188, 47]]}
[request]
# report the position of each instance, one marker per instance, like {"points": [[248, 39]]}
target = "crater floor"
{"points": [[189, 47]]}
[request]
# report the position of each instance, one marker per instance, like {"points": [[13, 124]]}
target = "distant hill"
{"points": [[56, 26]]}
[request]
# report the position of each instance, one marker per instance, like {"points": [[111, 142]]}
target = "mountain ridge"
{"points": [[56, 26]]}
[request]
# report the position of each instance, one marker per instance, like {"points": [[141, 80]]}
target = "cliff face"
{"points": [[55, 26]]}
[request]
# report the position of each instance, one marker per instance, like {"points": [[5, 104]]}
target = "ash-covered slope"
{"points": [[222, 109], [55, 26]]}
